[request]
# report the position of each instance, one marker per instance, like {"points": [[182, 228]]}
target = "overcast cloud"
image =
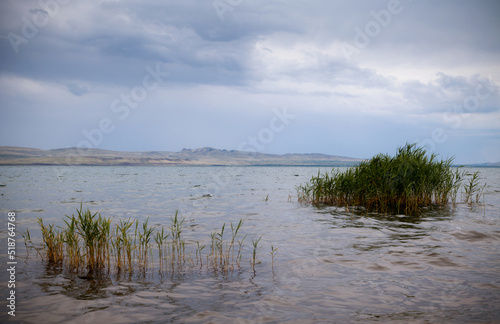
{"points": [[351, 78]]}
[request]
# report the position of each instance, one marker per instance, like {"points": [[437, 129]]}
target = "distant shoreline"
{"points": [[198, 165], [10, 155], [187, 157]]}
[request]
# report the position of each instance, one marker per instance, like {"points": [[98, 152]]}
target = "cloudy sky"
{"points": [[350, 78]]}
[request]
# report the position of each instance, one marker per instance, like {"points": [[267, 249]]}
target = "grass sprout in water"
{"points": [[405, 183], [274, 252], [91, 243], [473, 190], [254, 260]]}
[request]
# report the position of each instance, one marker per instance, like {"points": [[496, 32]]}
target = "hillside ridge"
{"points": [[11, 155]]}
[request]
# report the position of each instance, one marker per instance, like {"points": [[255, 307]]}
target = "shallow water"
{"points": [[332, 265]]}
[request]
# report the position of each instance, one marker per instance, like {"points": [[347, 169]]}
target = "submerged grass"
{"points": [[405, 183], [90, 243]]}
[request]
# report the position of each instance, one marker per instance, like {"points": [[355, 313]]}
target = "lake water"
{"points": [[331, 265]]}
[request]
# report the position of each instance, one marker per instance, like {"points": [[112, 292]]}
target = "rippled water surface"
{"points": [[332, 265]]}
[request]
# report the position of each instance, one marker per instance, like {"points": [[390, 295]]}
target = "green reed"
{"points": [[122, 244], [216, 254], [199, 249], [235, 236], [160, 239], [144, 242], [223, 254], [274, 252], [253, 261], [177, 244], [89, 242], [404, 183], [72, 241], [27, 239], [473, 190], [53, 241], [95, 232]]}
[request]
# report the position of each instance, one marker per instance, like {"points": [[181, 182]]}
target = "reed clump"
{"points": [[95, 233], [53, 241], [404, 183], [90, 243], [224, 256]]}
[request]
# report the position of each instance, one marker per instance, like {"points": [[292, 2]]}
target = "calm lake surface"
{"points": [[332, 265]]}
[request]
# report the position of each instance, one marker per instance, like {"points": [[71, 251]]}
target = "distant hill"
{"points": [[487, 165], [10, 155]]}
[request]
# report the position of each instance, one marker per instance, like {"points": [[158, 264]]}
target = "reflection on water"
{"points": [[332, 265]]}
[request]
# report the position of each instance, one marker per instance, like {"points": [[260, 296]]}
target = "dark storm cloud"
{"points": [[114, 40]]}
